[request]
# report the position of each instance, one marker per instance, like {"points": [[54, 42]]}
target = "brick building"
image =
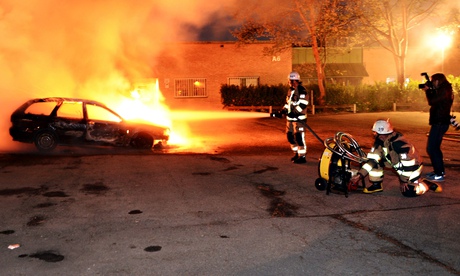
{"points": [[190, 74]]}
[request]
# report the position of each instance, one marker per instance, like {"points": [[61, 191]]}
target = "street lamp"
{"points": [[443, 42]]}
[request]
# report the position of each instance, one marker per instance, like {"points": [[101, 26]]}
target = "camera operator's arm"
{"points": [[439, 95], [430, 95]]}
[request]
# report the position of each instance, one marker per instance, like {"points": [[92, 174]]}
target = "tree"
{"points": [[450, 26], [388, 22], [312, 23]]}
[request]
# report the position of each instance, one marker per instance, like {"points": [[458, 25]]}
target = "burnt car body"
{"points": [[48, 122]]}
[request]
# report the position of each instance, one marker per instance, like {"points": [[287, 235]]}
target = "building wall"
{"points": [[380, 65], [216, 62]]}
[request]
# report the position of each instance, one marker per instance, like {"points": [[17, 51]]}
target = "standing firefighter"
{"points": [[296, 115], [392, 150]]}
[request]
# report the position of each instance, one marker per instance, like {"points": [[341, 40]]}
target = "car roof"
{"points": [[23, 107], [60, 99]]}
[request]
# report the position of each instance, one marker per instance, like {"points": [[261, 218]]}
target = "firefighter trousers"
{"points": [[295, 132]]}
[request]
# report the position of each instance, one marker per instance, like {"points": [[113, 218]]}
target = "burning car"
{"points": [[48, 122]]}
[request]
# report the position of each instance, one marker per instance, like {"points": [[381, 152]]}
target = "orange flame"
{"points": [[146, 103]]}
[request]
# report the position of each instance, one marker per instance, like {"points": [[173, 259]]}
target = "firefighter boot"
{"points": [[435, 187], [300, 160], [295, 157], [375, 187]]}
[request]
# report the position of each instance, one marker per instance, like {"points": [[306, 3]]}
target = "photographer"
{"points": [[440, 98]]}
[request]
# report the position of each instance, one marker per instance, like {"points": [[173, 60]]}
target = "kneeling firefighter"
{"points": [[392, 150], [296, 116]]}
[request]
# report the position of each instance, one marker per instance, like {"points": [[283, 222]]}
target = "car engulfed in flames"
{"points": [[48, 122]]}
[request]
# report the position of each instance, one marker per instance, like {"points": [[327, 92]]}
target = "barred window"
{"points": [[243, 81], [190, 88]]}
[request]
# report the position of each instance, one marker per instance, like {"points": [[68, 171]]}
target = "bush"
{"points": [[263, 95], [368, 98]]}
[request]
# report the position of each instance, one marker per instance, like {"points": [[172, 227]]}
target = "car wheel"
{"points": [[45, 140], [142, 141]]}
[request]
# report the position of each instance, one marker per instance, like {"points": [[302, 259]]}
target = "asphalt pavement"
{"points": [[231, 203]]}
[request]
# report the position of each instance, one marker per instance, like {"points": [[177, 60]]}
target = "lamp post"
{"points": [[442, 54], [443, 42]]}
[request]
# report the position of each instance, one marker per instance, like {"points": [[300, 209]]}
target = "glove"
{"points": [[403, 187], [356, 178], [353, 184]]}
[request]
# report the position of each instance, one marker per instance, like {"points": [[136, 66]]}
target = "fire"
{"points": [[146, 103], [86, 55]]}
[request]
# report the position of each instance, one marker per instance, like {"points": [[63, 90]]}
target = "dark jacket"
{"points": [[296, 104], [398, 153], [440, 101]]}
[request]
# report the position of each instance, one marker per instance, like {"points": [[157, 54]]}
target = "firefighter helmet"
{"points": [[294, 76], [382, 127]]}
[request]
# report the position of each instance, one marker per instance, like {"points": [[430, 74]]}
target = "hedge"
{"points": [[368, 98]]}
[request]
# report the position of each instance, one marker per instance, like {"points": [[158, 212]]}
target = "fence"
{"points": [[424, 107]]}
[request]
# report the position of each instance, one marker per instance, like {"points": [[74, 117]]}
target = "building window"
{"points": [[243, 81], [190, 88]]}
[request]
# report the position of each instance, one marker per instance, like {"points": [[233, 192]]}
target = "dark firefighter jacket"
{"points": [[296, 104], [395, 151]]}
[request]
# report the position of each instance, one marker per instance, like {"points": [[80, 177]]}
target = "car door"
{"points": [[103, 126], [69, 122]]}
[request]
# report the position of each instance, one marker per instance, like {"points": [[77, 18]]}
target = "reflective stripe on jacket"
{"points": [[397, 152], [296, 104]]}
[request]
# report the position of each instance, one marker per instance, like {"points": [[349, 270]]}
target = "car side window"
{"points": [[72, 110], [98, 113], [41, 108]]}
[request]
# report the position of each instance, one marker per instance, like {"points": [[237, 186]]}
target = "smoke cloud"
{"points": [[86, 48]]}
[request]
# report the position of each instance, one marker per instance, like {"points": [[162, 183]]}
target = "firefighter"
{"points": [[392, 150], [296, 118]]}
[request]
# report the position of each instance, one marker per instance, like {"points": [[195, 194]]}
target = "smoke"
{"points": [[88, 49]]}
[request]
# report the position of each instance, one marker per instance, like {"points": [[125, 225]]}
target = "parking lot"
{"points": [[231, 204]]}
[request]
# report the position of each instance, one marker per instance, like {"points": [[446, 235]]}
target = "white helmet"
{"points": [[382, 127], [294, 76]]}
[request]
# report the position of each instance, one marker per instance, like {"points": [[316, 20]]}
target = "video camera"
{"points": [[427, 83]]}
